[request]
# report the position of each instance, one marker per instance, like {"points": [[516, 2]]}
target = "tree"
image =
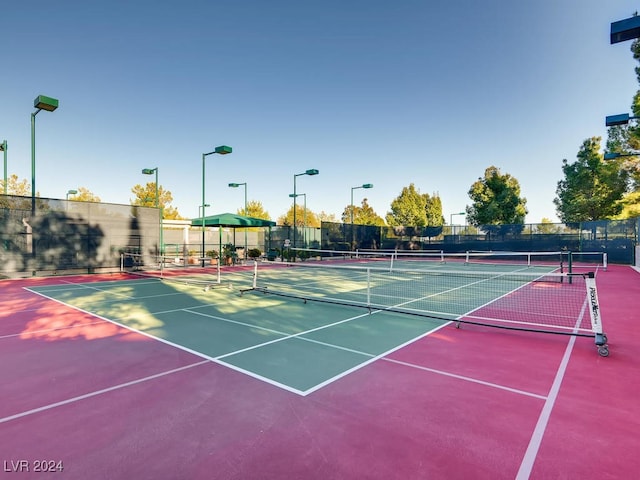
{"points": [[20, 188], [496, 200], [146, 197], [363, 215], [408, 209], [255, 210], [84, 195], [547, 226], [434, 210], [630, 206], [592, 188], [327, 217], [308, 219]]}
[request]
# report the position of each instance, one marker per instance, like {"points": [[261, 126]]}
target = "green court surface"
{"points": [[299, 346]]}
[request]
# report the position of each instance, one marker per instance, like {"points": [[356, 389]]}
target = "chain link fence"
{"points": [[66, 236], [616, 238], [60, 235]]}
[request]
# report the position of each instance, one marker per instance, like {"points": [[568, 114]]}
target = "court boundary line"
{"points": [[167, 342], [372, 357], [529, 458], [468, 379], [286, 336], [77, 398]]}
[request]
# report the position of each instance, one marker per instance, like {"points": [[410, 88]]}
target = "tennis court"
{"points": [[290, 371]]}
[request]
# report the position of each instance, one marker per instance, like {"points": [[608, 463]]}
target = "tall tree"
{"points": [[308, 219], [363, 215], [328, 217], [630, 206], [255, 210], [547, 226], [408, 209], [84, 195], [145, 196], [434, 210], [16, 187], [496, 200], [625, 139], [592, 188]]}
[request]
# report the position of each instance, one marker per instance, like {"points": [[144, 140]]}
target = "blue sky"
{"points": [[365, 91]]}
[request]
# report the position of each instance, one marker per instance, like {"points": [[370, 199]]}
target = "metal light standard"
{"points": [[620, 119], [451, 220], [41, 103], [613, 156], [624, 30], [3, 147], [311, 171], [454, 214], [366, 185], [200, 207], [151, 171], [221, 150], [304, 218], [246, 213]]}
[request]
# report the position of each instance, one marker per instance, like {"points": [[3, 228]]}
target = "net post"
{"points": [[604, 261], [570, 265], [122, 263], [255, 275], [466, 258], [528, 259], [594, 314], [369, 287], [441, 256]]}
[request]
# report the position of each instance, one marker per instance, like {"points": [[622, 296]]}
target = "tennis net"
{"points": [[533, 299], [174, 269], [563, 261]]}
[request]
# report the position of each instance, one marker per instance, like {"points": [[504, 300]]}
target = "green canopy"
{"points": [[231, 220]]}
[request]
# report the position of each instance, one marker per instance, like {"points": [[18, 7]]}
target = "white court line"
{"points": [[175, 345], [467, 379], [286, 336], [98, 392], [536, 438]]}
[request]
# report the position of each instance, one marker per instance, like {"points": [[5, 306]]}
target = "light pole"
{"points": [[304, 218], [3, 147], [40, 103], [454, 214], [311, 171], [620, 119], [451, 220], [624, 30], [200, 207], [613, 156], [221, 150], [246, 214], [151, 171], [71, 192], [366, 185]]}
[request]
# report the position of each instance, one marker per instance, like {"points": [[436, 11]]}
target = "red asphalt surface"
{"points": [[469, 403]]}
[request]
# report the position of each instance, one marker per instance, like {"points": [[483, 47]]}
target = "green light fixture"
{"points": [[221, 150]]}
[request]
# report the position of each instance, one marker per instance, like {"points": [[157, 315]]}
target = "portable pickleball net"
{"points": [[532, 299]]}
